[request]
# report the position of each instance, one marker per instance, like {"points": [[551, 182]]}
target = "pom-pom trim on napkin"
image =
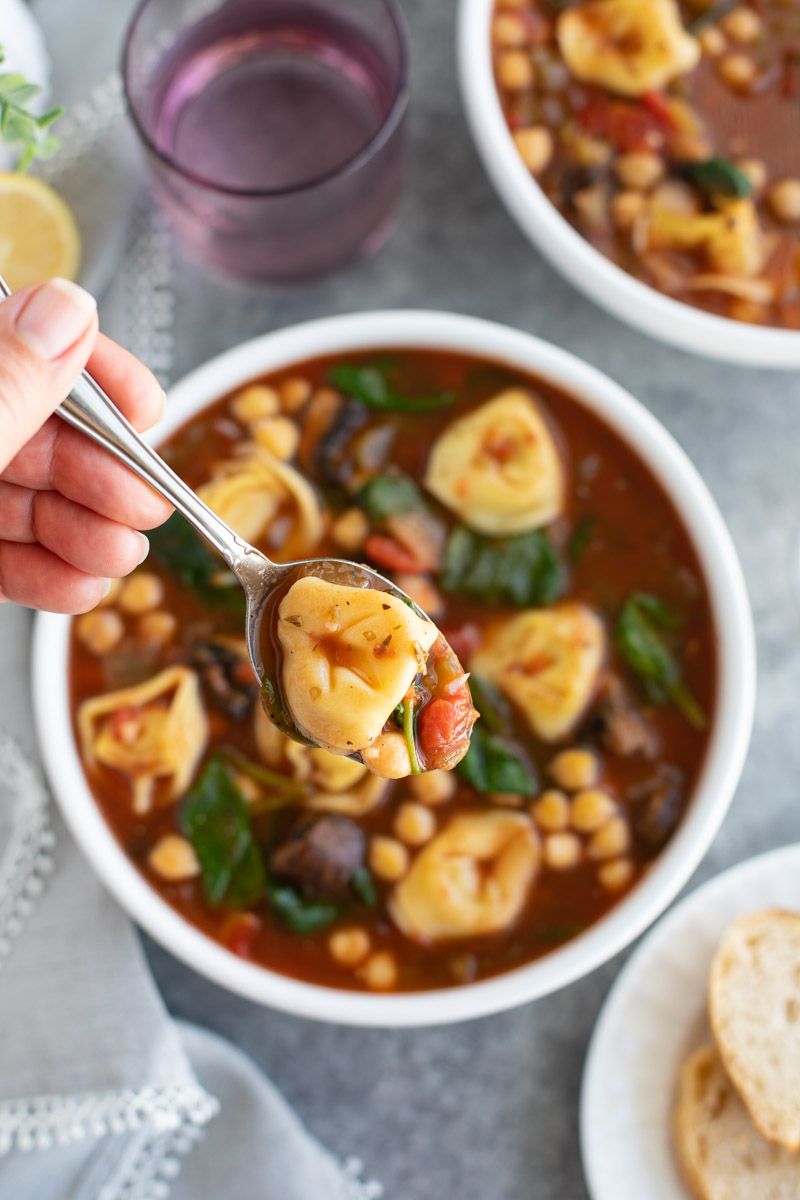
{"points": [[27, 859], [49, 1121]]}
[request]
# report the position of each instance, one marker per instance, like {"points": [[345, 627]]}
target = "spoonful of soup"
{"points": [[346, 661]]}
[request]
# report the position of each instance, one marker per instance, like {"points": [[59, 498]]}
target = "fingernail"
{"points": [[55, 317], [145, 548], [106, 588]]}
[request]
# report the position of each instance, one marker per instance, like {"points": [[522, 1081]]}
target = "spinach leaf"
{"points": [[178, 548], [370, 385], [363, 884], [495, 711], [492, 765], [639, 638], [405, 715], [523, 570], [715, 176], [215, 817], [288, 790], [301, 916], [580, 538], [386, 496]]}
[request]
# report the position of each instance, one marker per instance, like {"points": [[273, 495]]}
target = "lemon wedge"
{"points": [[39, 236]]}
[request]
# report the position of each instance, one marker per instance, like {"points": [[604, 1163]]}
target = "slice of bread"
{"points": [[754, 1006], [722, 1154]]}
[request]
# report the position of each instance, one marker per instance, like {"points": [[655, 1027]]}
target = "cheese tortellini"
{"points": [[335, 783], [155, 730], [498, 468], [249, 492], [472, 879], [548, 662], [628, 46], [349, 657]]}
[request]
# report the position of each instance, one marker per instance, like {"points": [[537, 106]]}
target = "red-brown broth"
{"points": [[638, 543]]}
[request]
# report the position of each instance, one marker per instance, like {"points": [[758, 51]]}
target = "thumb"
{"points": [[47, 333]]}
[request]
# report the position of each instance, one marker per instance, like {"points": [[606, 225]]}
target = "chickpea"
{"points": [[591, 809], [626, 208], [591, 204], [351, 529], [279, 435], [99, 630], [535, 146], [508, 30], [157, 628], [610, 841], [254, 402], [515, 71], [743, 25], [141, 593], [614, 876], [174, 859], [756, 172], [433, 787], [784, 199], [738, 71], [294, 393], [689, 146], [590, 151], [388, 756], [551, 811], [575, 769], [380, 971], [349, 946], [639, 172], [712, 42], [388, 858], [562, 851], [414, 824]]}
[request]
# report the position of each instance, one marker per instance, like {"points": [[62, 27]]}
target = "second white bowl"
{"points": [[586, 268]]}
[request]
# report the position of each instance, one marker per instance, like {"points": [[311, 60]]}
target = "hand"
{"points": [[69, 513]]}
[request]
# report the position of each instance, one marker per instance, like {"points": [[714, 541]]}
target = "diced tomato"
{"points": [[241, 934], [443, 729], [125, 725], [658, 105], [628, 126], [387, 553], [463, 641]]}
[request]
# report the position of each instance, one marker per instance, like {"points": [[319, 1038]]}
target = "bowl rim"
{"points": [[588, 270], [729, 735]]}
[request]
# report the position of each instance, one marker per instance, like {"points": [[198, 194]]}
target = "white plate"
{"points": [[654, 1015]]}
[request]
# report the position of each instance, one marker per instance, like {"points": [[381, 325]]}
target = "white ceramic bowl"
{"points": [[729, 734], [586, 268]]}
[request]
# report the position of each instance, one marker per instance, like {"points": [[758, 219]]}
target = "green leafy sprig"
{"points": [[19, 127]]}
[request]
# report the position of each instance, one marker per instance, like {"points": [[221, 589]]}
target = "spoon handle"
{"points": [[90, 410]]}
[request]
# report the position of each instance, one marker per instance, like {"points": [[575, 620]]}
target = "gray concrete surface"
{"points": [[487, 1110]]}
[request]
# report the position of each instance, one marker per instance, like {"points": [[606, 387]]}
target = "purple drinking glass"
{"points": [[273, 128]]}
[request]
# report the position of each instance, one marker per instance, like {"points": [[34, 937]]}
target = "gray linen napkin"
{"points": [[102, 1095]]}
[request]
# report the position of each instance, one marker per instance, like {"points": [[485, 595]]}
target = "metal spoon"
{"points": [[90, 410]]}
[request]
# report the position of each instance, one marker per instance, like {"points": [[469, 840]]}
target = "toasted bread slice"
{"points": [[722, 1154], [754, 1006]]}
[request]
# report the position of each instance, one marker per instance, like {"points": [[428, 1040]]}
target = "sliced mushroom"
{"points": [[320, 855]]}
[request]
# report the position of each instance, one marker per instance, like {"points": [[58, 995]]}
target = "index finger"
{"points": [[133, 388]]}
